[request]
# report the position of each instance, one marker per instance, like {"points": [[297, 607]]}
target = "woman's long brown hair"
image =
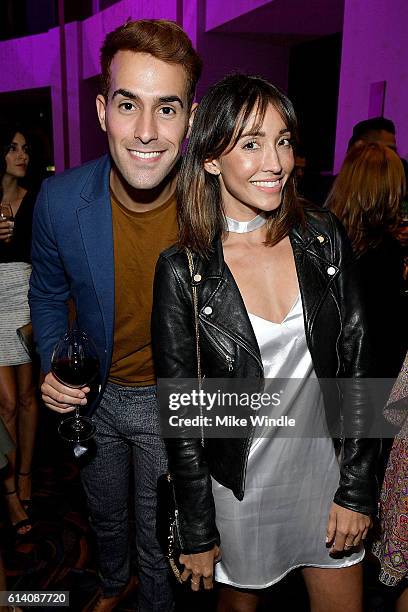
{"points": [[367, 193], [221, 118]]}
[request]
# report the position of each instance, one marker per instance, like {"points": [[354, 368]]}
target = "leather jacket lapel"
{"points": [[221, 307], [315, 270]]}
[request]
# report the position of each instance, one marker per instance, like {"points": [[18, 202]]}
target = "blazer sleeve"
{"points": [[49, 287], [174, 349], [358, 488]]}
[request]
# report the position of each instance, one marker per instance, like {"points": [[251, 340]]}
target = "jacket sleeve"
{"points": [[358, 489], [49, 288], [174, 349]]}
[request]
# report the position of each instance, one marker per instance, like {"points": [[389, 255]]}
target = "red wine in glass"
{"points": [[75, 363]]}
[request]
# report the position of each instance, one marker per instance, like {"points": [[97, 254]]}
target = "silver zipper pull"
{"points": [[230, 363]]}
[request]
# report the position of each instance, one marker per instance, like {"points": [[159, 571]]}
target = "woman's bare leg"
{"points": [[402, 602], [8, 412], [8, 399], [27, 426], [335, 589], [236, 600]]}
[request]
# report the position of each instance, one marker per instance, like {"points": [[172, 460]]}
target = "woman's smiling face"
{"points": [[253, 173]]}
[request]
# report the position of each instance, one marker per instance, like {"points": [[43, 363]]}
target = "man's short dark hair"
{"points": [[377, 124]]}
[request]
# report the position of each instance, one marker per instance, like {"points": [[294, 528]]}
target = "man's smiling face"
{"points": [[145, 117]]}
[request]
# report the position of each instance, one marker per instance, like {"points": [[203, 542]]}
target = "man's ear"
{"points": [[212, 166], [101, 110], [194, 107]]}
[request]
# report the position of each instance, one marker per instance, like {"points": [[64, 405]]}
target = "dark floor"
{"points": [[59, 553]]}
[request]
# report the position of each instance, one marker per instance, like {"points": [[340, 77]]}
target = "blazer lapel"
{"points": [[95, 221]]}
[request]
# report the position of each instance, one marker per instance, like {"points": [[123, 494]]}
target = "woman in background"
{"points": [[18, 404], [276, 298], [392, 548], [366, 197]]}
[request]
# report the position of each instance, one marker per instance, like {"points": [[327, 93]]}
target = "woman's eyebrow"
{"points": [[253, 133], [262, 133]]}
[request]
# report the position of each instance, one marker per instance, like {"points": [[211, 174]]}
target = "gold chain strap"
{"points": [[197, 334]]}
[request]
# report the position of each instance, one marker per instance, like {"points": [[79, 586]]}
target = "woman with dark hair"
{"points": [[366, 197], [276, 298], [18, 405]]}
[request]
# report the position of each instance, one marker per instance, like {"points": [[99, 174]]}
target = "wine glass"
{"points": [[6, 212], [75, 363]]}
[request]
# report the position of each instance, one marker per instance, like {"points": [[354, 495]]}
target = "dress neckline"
{"points": [[251, 314]]}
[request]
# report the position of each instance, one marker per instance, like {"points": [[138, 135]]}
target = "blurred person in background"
{"points": [[377, 129], [392, 546], [18, 404], [366, 197], [382, 131]]}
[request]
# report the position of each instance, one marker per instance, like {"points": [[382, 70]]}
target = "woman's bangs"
{"points": [[244, 123]]}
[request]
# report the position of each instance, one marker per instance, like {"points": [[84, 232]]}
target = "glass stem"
{"points": [[77, 416]]}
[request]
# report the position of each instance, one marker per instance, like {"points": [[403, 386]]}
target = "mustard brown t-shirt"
{"points": [[138, 239]]}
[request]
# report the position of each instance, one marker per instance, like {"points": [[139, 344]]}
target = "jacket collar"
{"points": [[96, 185], [95, 222], [313, 252], [306, 238]]}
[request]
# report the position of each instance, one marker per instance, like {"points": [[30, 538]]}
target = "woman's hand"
{"points": [[346, 528], [200, 565], [6, 230]]}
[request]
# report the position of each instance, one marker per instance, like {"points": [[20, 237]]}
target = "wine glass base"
{"points": [[76, 430]]}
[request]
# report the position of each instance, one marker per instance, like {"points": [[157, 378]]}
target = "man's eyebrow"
{"points": [[132, 96], [169, 99], [125, 93]]}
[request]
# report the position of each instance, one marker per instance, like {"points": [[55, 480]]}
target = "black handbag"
{"points": [[167, 515], [26, 337]]}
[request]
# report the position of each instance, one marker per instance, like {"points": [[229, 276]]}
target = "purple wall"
{"points": [[375, 49], [34, 61], [225, 53], [219, 13], [247, 35], [30, 62]]}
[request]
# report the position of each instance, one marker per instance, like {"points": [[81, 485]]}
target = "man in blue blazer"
{"points": [[98, 231]]}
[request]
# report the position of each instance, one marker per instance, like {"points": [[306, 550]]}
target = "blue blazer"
{"points": [[72, 255]]}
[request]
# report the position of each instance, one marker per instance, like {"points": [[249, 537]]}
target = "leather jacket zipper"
{"points": [[230, 362], [225, 356], [222, 331]]}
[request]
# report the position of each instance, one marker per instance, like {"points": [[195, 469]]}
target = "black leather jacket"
{"points": [[335, 328]]}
